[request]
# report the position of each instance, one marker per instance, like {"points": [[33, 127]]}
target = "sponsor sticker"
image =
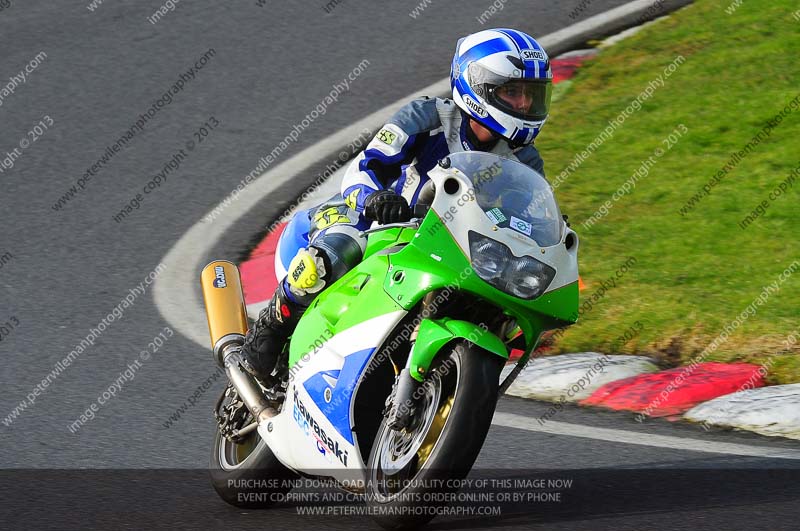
{"points": [[496, 216], [533, 55], [324, 443], [387, 137], [330, 216], [219, 280], [298, 271], [520, 225], [352, 199]]}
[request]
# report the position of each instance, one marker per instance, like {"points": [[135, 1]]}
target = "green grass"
{"points": [[693, 273]]}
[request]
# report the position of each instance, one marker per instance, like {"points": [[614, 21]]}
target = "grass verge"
{"points": [[704, 281]]}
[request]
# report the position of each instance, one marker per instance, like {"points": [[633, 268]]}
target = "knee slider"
{"points": [[341, 253], [307, 272]]}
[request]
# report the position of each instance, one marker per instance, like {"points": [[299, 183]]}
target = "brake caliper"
{"points": [[232, 416], [401, 406]]}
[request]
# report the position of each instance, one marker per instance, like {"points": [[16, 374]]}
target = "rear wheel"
{"points": [[246, 473], [451, 423]]}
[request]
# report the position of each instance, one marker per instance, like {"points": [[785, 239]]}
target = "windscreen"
{"points": [[512, 195]]}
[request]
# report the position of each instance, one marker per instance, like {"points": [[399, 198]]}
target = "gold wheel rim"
{"points": [[435, 430]]}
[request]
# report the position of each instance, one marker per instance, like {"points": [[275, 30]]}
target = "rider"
{"points": [[501, 82]]}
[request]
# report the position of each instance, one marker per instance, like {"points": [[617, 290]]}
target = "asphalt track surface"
{"points": [[63, 271]]}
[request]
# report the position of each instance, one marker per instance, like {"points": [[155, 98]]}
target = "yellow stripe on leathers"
{"points": [[222, 294]]}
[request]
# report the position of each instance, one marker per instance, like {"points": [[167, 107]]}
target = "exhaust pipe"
{"points": [[227, 324]]}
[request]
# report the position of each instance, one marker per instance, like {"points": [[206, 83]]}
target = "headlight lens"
{"points": [[488, 258], [524, 276]]}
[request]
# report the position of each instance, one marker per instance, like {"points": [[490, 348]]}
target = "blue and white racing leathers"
{"points": [[409, 145]]}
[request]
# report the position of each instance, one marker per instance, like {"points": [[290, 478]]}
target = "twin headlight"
{"points": [[521, 276]]}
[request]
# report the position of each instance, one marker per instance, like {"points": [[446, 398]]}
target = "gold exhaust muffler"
{"points": [[225, 308], [227, 324]]}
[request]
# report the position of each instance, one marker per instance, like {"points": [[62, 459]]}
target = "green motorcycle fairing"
{"points": [[399, 268]]}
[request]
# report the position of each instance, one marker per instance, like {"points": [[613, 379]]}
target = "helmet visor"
{"points": [[525, 99]]}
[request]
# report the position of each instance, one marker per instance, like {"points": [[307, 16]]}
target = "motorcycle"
{"points": [[391, 378]]}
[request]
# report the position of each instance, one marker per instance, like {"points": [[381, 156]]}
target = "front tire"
{"points": [[454, 416]]}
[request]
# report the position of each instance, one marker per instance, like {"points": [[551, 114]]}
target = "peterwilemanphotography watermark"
{"points": [[618, 121], [8, 327], [21, 77], [740, 155], [641, 172], [137, 127], [171, 166], [291, 137], [36, 132], [123, 379], [5, 258], [87, 342], [776, 193], [484, 493], [192, 399], [167, 8], [748, 312]]}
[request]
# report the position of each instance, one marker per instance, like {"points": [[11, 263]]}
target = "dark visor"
{"points": [[528, 100]]}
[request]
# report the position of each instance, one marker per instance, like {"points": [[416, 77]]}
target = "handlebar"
{"points": [[413, 223]]}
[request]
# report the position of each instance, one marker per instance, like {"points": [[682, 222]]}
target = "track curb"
{"points": [[736, 397]]}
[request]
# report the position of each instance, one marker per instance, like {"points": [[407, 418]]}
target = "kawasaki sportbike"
{"points": [[393, 371]]}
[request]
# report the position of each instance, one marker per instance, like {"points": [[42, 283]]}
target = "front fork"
{"points": [[428, 338]]}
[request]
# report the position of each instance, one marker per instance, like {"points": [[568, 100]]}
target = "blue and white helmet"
{"points": [[502, 79]]}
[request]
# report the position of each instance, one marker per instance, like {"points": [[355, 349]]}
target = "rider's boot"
{"points": [[266, 340]]}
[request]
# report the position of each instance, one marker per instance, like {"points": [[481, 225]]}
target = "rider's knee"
{"points": [[340, 251]]}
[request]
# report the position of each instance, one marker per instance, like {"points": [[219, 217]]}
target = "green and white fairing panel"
{"points": [[314, 430]]}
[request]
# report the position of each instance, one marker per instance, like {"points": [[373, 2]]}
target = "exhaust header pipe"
{"points": [[227, 324]]}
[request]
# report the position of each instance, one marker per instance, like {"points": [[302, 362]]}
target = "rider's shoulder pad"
{"points": [[417, 116]]}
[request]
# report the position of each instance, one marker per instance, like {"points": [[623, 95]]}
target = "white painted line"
{"points": [[176, 291], [521, 422]]}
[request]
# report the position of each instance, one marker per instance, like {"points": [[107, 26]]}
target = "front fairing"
{"points": [[438, 256]]}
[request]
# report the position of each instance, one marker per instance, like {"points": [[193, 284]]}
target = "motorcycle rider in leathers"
{"points": [[501, 84]]}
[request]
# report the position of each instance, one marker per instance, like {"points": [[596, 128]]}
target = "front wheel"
{"points": [[410, 469]]}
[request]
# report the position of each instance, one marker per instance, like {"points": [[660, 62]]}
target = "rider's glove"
{"points": [[566, 219], [385, 206]]}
